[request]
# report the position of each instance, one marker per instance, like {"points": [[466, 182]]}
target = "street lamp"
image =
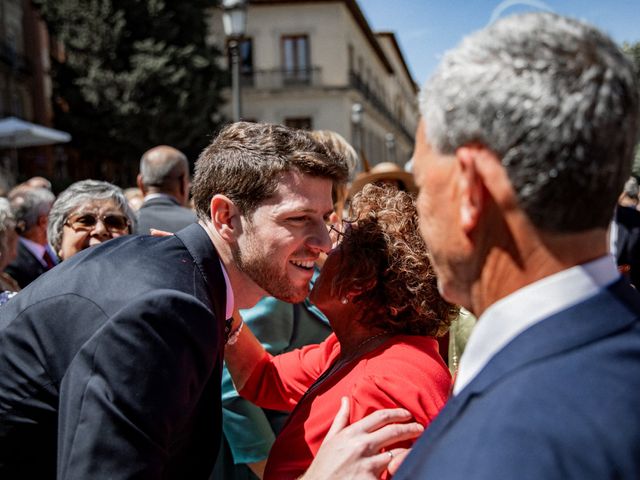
{"points": [[390, 142], [357, 113], [234, 21]]}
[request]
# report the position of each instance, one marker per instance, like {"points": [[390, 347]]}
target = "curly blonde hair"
{"points": [[385, 259]]}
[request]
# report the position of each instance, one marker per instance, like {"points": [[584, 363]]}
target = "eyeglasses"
{"points": [[85, 222], [338, 232]]}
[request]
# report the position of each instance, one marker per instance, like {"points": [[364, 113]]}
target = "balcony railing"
{"points": [[282, 78], [356, 82]]}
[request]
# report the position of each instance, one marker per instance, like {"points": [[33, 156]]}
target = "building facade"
{"points": [[25, 85], [318, 65]]}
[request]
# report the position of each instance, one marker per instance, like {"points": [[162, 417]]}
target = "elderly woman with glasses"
{"points": [[379, 292], [87, 213]]}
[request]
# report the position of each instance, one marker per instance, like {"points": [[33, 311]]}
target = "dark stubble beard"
{"points": [[259, 266]]}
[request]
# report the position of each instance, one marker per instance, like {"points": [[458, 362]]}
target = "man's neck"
{"points": [[36, 236], [152, 195], [246, 292], [540, 256]]}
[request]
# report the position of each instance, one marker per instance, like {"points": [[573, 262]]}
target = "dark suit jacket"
{"points": [[26, 267], [561, 401], [163, 213], [110, 363], [628, 241]]}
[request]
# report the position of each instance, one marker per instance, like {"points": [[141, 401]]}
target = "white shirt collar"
{"points": [[230, 298], [511, 315]]}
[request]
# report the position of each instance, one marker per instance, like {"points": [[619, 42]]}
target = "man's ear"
{"points": [[225, 217], [360, 288], [471, 187], [140, 184], [43, 221]]}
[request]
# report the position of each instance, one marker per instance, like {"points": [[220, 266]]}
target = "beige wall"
{"points": [[332, 32]]}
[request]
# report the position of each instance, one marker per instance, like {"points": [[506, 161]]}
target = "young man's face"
{"points": [[284, 236]]}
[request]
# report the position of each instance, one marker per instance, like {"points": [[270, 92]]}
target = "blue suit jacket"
{"points": [[110, 363], [561, 401]]}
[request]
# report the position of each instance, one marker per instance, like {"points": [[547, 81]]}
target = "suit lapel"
{"points": [[610, 311], [205, 256]]}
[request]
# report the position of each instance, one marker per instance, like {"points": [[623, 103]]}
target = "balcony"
{"points": [[280, 78], [360, 85]]}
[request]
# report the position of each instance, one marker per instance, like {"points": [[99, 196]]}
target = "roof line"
{"points": [[357, 14], [396, 46]]}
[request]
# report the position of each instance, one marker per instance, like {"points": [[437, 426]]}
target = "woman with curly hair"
{"points": [[380, 294]]}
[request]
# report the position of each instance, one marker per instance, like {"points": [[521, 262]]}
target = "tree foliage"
{"points": [[135, 73]]}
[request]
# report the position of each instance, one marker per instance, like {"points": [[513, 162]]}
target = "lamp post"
{"points": [[357, 113], [234, 21], [390, 142]]}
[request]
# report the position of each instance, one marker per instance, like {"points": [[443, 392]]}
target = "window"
{"points": [[295, 59], [302, 123]]}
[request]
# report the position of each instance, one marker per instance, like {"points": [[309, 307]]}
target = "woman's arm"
{"points": [[244, 355], [275, 382]]}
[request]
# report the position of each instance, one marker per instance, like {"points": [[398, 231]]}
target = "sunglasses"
{"points": [[85, 222]]}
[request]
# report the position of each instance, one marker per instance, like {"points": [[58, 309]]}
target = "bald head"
{"points": [[164, 169]]}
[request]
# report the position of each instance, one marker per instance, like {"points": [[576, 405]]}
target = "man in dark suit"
{"points": [[549, 384], [31, 208], [164, 181], [110, 363], [627, 243], [625, 233], [527, 136]]}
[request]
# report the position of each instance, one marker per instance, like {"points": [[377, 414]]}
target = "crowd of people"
{"points": [[278, 318]]}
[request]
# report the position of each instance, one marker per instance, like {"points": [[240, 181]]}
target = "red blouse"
{"points": [[405, 371]]}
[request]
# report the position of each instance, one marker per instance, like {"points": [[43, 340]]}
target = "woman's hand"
{"points": [[353, 451]]}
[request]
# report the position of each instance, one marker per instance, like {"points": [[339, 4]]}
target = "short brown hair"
{"points": [[245, 160], [383, 247]]}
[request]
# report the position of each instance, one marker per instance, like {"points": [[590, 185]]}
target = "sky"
{"points": [[426, 29]]}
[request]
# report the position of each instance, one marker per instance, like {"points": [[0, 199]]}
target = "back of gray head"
{"points": [[29, 204], [556, 100], [162, 166]]}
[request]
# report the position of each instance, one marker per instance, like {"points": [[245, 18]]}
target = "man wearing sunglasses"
{"points": [[110, 365]]}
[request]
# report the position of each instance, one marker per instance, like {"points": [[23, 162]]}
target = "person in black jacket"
{"points": [[31, 208], [110, 363]]}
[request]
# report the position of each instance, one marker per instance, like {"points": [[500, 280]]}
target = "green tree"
{"points": [[135, 73], [633, 50]]}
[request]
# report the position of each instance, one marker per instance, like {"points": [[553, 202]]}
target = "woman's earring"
{"points": [[344, 300]]}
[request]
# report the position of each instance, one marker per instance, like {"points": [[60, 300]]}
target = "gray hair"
{"points": [[7, 223], [29, 204], [77, 194], [556, 100], [162, 166]]}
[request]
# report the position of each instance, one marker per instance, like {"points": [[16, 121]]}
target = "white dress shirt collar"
{"points": [[510, 316], [230, 297]]}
